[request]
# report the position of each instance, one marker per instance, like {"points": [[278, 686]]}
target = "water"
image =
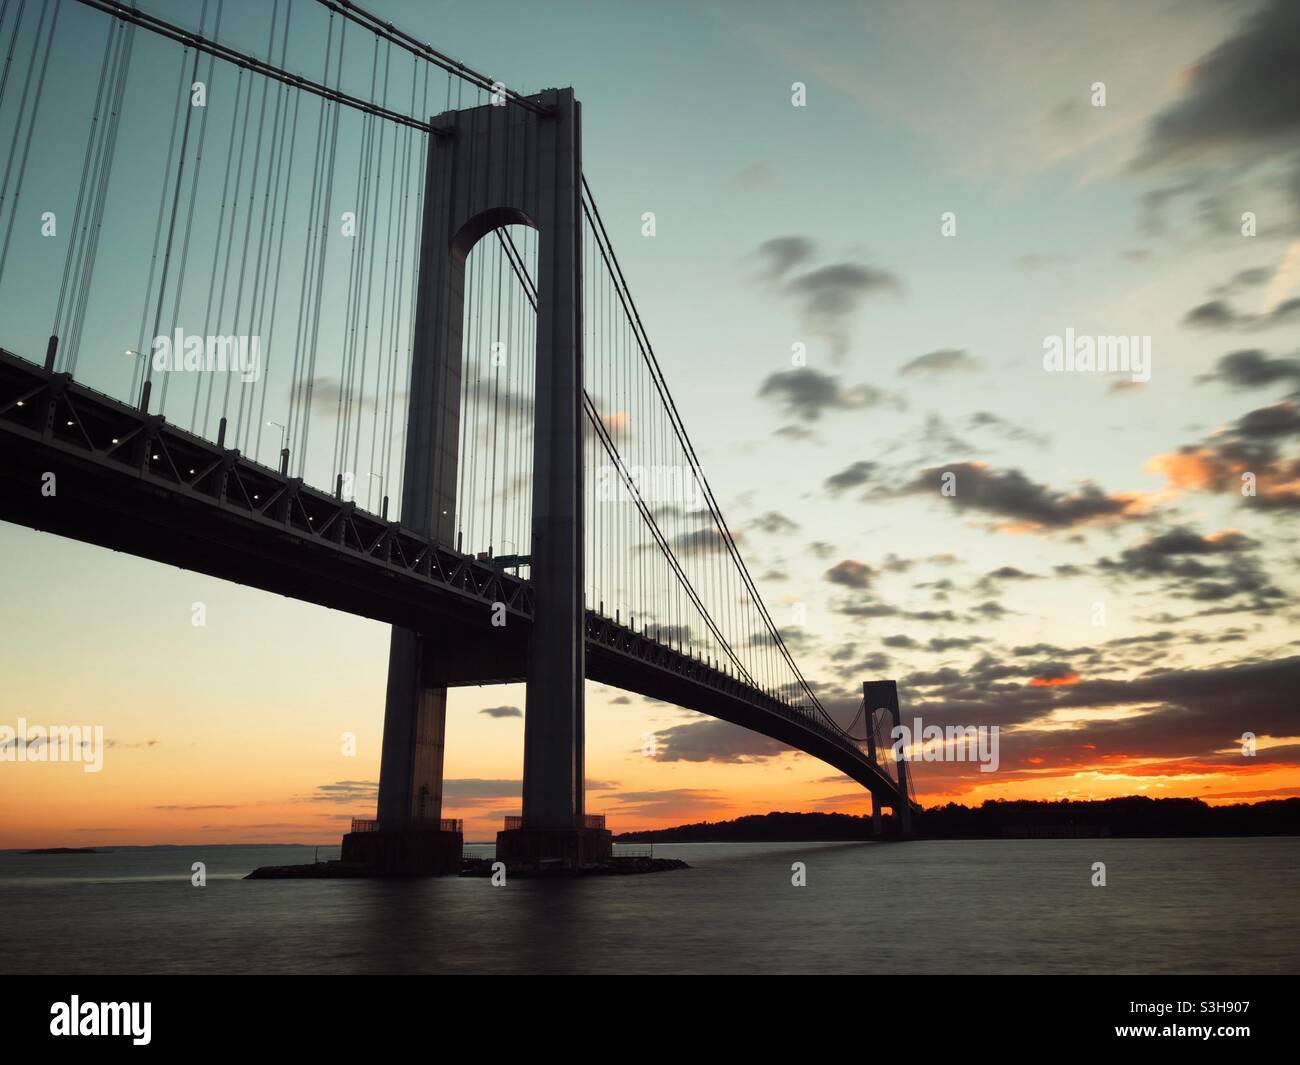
{"points": [[980, 906]]}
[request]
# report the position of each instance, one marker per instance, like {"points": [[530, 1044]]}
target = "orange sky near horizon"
{"points": [[233, 733]]}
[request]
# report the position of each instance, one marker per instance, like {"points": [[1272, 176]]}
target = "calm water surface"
{"points": [[995, 906]]}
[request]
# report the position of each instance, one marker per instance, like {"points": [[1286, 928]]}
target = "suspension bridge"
{"points": [[293, 299]]}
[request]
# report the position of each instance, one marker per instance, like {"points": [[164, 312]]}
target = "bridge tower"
{"points": [[491, 166], [883, 694]]}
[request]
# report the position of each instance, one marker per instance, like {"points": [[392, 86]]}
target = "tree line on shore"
{"points": [[1133, 816]]}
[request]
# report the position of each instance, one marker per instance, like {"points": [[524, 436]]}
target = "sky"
{"points": [[958, 184]]}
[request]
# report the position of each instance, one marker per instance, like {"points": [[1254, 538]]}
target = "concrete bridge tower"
{"points": [[491, 166]]}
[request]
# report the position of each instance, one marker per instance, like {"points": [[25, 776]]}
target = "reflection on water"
{"points": [[1230, 905]]}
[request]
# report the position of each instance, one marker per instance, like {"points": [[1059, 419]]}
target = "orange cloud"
{"points": [[1054, 682], [1195, 469]]}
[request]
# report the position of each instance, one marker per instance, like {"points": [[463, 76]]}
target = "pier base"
{"points": [[406, 852], [567, 848]]}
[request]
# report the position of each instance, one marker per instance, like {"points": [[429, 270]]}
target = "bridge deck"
{"points": [[134, 483]]}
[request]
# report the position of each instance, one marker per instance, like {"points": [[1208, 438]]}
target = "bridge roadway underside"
{"points": [[118, 507]]}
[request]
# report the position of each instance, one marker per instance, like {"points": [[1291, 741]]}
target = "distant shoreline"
{"points": [[1132, 817], [64, 850]]}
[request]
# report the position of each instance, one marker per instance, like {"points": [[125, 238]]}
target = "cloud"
{"points": [[781, 254], [1242, 98], [808, 394], [1251, 278], [1167, 552], [1246, 451], [1236, 125], [946, 360], [1253, 368], [830, 294], [990, 581], [707, 539], [460, 788], [850, 573], [711, 740], [775, 523], [502, 711], [826, 296], [852, 476], [1211, 568], [668, 803], [1033, 507], [347, 791], [1218, 314], [1172, 712]]}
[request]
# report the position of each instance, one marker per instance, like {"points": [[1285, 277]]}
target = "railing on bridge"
{"points": [[514, 821], [426, 824]]}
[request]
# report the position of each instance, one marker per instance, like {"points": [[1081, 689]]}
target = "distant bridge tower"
{"points": [[499, 165]]}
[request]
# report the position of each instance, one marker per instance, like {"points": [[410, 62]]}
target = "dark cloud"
{"points": [[795, 432], [826, 296], [1218, 314], [502, 711], [947, 360], [1250, 449], [1239, 115], [1010, 494], [808, 394], [901, 640], [1210, 569], [1197, 712], [852, 476], [708, 539], [829, 295], [1251, 278], [1173, 553], [781, 254], [711, 740], [347, 791], [940, 644], [850, 573], [1253, 369], [1003, 574], [1243, 96], [775, 522], [461, 788], [1267, 423], [669, 802]]}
